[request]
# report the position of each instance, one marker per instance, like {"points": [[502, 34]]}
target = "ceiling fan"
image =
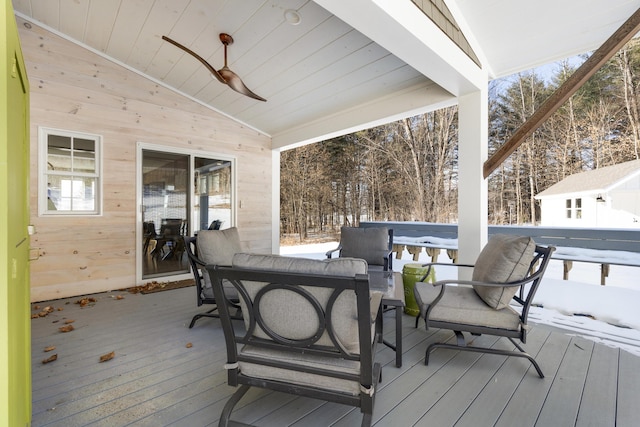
{"points": [[224, 74]]}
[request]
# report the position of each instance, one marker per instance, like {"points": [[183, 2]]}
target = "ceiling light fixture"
{"points": [[292, 16]]}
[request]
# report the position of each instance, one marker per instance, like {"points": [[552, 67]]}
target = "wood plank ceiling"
{"points": [[314, 68], [345, 65]]}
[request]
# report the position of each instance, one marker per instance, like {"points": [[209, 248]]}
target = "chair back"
{"points": [[200, 276], [373, 244], [210, 247], [307, 330], [537, 267], [170, 227]]}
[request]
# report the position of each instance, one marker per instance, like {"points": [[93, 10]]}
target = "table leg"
{"points": [[379, 323], [398, 336], [397, 346]]}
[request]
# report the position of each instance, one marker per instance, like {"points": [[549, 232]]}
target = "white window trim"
{"points": [[43, 133]]}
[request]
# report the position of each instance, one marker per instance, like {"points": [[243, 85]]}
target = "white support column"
{"points": [[275, 201], [472, 187]]}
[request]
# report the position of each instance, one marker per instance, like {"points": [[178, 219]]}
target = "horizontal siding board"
{"points": [[74, 89]]}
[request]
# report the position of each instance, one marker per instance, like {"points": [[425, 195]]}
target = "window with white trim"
{"points": [[574, 208], [578, 206], [70, 169]]}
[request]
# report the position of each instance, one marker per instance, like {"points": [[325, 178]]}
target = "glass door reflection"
{"points": [[212, 194], [165, 213]]}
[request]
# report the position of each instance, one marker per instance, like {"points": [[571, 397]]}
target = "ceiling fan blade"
{"points": [[236, 84], [198, 57]]}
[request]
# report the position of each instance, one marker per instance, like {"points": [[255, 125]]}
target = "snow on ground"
{"points": [[606, 314]]}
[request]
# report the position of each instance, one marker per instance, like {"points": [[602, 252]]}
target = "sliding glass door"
{"points": [[212, 194], [181, 194], [165, 213]]}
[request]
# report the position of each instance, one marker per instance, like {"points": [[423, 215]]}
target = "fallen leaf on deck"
{"points": [[50, 348], [66, 322], [119, 297], [67, 328], [45, 312], [107, 356], [85, 301], [51, 358], [189, 345]]}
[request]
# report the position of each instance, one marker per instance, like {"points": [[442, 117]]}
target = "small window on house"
{"points": [[578, 208], [70, 165], [568, 205]]}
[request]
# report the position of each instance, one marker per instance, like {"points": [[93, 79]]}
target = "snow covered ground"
{"points": [[606, 314]]}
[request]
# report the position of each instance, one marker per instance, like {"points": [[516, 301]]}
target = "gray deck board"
{"points": [[598, 405], [628, 390], [155, 380], [530, 397], [562, 403], [486, 407]]}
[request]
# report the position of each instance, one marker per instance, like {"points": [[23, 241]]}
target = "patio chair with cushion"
{"points": [[308, 329], [508, 270], [212, 247], [373, 244]]}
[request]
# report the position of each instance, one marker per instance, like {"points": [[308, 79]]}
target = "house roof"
{"points": [[347, 65], [593, 181]]}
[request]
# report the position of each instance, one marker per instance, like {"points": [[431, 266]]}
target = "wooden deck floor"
{"points": [[156, 379]]}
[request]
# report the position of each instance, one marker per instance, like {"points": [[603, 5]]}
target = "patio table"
{"points": [[390, 283]]}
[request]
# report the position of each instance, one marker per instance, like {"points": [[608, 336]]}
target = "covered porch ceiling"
{"points": [[347, 65]]}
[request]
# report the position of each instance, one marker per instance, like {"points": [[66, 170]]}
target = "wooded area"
{"points": [[407, 170]]}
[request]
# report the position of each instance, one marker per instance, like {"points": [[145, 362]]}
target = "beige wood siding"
{"points": [[75, 89]]}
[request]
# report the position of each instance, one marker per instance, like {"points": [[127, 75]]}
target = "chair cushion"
{"points": [[289, 314], [370, 244], [505, 258], [218, 246], [462, 305], [230, 291], [307, 361]]}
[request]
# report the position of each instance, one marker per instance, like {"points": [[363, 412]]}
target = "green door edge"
{"points": [[15, 320]]}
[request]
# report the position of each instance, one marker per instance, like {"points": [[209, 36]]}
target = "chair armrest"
{"points": [[476, 282], [447, 264], [196, 260], [330, 253], [429, 266]]}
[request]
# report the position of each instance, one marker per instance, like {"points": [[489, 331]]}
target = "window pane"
{"points": [[84, 155], [69, 193], [578, 203], [568, 204], [59, 153]]}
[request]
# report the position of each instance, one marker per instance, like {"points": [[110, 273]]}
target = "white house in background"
{"points": [[605, 197]]}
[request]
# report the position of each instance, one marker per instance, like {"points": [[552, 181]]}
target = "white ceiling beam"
{"points": [[409, 102], [402, 29]]}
